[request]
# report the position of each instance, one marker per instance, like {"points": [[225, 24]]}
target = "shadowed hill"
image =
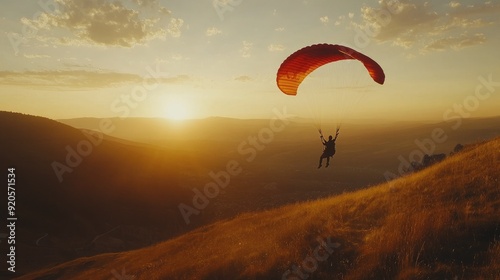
{"points": [[78, 194], [440, 223]]}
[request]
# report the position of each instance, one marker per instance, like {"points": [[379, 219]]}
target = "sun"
{"points": [[177, 109]]}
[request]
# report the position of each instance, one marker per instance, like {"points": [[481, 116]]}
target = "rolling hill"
{"points": [[440, 223], [80, 193]]}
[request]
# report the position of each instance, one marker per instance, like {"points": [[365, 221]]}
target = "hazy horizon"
{"points": [[307, 121]]}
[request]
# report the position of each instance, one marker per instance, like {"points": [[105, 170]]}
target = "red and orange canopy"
{"points": [[298, 65]]}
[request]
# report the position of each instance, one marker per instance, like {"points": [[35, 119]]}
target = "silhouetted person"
{"points": [[329, 150]]}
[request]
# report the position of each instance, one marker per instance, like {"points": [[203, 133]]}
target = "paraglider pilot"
{"points": [[329, 149]]}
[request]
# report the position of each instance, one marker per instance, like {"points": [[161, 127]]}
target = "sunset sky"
{"points": [[202, 58]]}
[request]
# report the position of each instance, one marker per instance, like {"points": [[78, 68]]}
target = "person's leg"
{"points": [[327, 161], [320, 161]]}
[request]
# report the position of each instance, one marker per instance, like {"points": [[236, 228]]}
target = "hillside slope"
{"points": [[108, 197], [440, 223]]}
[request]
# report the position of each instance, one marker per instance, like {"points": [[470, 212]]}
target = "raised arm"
{"points": [[322, 139]]}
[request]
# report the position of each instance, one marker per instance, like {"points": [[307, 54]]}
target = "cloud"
{"points": [[173, 80], [69, 78], [152, 4], [246, 49], [419, 25], [177, 57], [488, 7], [243, 78], [340, 20], [33, 56], [276, 48], [454, 4], [104, 22], [279, 29], [324, 20], [408, 21], [213, 31], [174, 27], [83, 79], [456, 43]]}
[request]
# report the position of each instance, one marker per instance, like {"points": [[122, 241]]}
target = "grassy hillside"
{"points": [[440, 223]]}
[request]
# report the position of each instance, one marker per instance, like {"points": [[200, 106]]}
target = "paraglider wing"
{"points": [[299, 64]]}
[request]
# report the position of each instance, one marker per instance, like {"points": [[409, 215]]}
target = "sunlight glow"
{"points": [[177, 109]]}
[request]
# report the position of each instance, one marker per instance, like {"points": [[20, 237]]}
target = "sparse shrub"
{"points": [[458, 148]]}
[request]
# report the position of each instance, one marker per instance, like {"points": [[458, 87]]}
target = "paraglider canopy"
{"points": [[304, 61]]}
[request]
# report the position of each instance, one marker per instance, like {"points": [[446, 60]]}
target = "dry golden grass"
{"points": [[440, 223]]}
